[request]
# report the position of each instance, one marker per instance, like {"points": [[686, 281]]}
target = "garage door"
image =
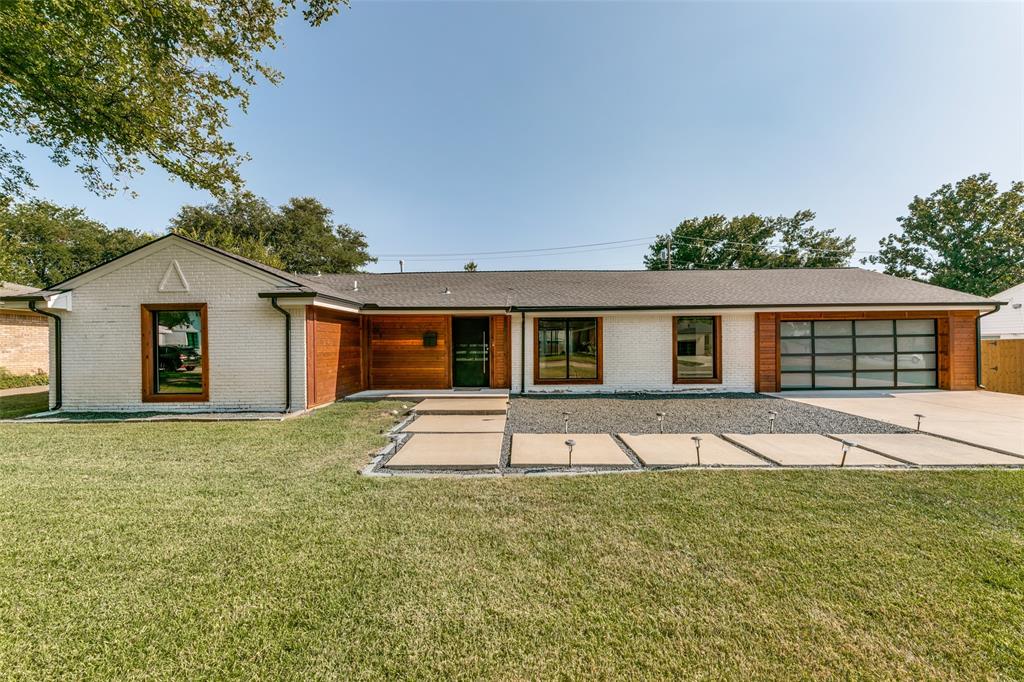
{"points": [[867, 354]]}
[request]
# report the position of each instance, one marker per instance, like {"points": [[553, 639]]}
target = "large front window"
{"points": [[568, 350], [174, 352], [697, 349]]}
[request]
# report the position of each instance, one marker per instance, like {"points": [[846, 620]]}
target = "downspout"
{"points": [[57, 352], [287, 353], [522, 351], [977, 344]]}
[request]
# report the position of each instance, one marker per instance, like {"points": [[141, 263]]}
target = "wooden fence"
{"points": [[1002, 365]]}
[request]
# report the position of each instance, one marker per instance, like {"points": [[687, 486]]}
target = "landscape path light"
{"points": [[696, 441], [661, 422], [570, 443], [847, 444], [919, 418], [565, 421], [772, 414]]}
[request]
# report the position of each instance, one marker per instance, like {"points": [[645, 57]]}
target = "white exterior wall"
{"points": [[637, 354], [102, 369], [1007, 322]]}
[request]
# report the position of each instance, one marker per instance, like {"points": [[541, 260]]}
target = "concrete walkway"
{"points": [[807, 450], [991, 420], [24, 390]]}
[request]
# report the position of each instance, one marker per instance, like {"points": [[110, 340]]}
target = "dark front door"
{"points": [[470, 346]]}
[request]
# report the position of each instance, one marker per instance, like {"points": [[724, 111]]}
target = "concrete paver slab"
{"points": [[678, 449], [449, 451], [549, 449], [807, 449], [992, 420], [462, 406], [457, 423], [928, 450]]}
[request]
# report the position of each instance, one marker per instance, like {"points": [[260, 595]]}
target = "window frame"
{"points": [[599, 379], [716, 349], [150, 393]]}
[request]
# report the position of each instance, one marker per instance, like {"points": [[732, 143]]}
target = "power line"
{"points": [[587, 248]]}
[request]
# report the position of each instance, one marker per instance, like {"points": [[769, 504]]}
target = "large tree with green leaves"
{"points": [[299, 236], [968, 236], [750, 241], [44, 243], [115, 85]]}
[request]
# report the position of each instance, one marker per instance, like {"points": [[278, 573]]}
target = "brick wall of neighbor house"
{"points": [[102, 335], [23, 342], [638, 354]]}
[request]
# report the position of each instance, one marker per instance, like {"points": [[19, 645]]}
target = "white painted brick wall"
{"points": [[638, 355], [102, 336]]}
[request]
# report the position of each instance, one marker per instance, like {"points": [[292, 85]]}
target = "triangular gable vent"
{"points": [[174, 279]]}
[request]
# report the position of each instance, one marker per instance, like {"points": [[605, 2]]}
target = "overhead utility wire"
{"points": [[575, 248]]}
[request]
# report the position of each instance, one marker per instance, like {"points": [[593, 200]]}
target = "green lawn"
{"points": [[249, 550], [13, 406]]}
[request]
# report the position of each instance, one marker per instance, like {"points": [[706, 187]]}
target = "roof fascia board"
{"points": [[157, 245], [763, 308], [371, 310]]}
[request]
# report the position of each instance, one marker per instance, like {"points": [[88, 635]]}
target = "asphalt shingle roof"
{"points": [[593, 289]]}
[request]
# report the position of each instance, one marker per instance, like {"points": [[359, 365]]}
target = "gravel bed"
{"points": [[718, 413]]}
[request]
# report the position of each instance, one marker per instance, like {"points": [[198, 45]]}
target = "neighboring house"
{"points": [[529, 331], [23, 335], [1008, 321]]}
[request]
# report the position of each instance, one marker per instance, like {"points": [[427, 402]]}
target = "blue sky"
{"points": [[441, 127]]}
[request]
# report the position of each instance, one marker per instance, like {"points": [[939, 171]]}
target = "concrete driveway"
{"points": [[992, 420]]}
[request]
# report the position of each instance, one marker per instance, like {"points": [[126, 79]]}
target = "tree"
{"points": [[115, 85], [299, 236], [47, 243], [968, 237], [469, 267], [750, 241]]}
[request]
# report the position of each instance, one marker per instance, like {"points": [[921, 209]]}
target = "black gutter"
{"points": [[308, 294], [287, 353], [522, 352], [757, 306], [57, 353], [977, 345]]}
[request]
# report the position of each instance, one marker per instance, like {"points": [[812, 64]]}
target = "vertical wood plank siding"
{"points": [[334, 356], [501, 351], [766, 358], [957, 353]]}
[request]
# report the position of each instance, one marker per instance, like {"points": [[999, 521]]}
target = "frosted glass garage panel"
{"points": [[915, 327], [874, 327], [915, 379], [794, 329]]}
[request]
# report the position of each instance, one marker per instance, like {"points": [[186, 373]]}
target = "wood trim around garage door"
{"points": [[955, 343]]}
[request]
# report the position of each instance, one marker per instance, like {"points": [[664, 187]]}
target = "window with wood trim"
{"points": [[567, 350], [697, 349], [175, 362]]}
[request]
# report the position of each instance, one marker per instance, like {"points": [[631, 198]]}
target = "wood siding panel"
{"points": [[398, 358], [501, 351], [766, 358], [334, 356], [963, 351]]}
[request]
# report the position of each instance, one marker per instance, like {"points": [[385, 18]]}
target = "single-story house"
{"points": [[178, 325], [1008, 321], [23, 334]]}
